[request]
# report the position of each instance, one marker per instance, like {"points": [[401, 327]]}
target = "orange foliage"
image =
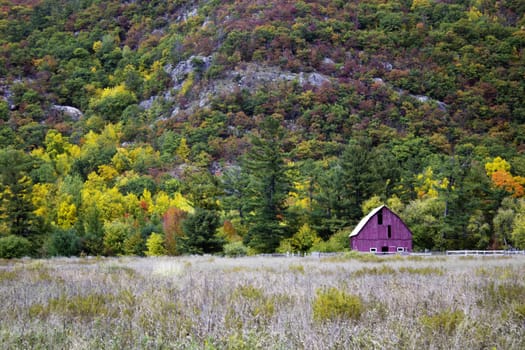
{"points": [[172, 226], [229, 230], [504, 180]]}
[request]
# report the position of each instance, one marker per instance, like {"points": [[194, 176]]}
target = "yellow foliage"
{"points": [[162, 203], [419, 4], [66, 213], [147, 201], [188, 83], [474, 14], [40, 199], [497, 163], [109, 136], [428, 186], [95, 182], [63, 164], [110, 202], [97, 45], [183, 151], [178, 201], [107, 172], [112, 91]]}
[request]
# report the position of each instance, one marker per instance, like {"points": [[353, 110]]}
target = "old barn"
{"points": [[381, 231]]}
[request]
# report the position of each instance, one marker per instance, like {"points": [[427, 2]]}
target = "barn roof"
{"points": [[364, 220]]}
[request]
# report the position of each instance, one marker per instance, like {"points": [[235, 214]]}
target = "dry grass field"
{"points": [[343, 302]]}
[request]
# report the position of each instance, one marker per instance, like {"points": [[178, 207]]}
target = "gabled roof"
{"points": [[365, 220]]}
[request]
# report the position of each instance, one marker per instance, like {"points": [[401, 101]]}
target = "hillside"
{"points": [[258, 125]]}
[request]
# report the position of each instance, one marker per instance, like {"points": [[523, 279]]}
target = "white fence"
{"points": [[485, 252]]}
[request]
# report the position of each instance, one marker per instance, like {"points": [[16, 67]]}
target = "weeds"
{"points": [[422, 270], [333, 304], [82, 307], [7, 275], [444, 323], [263, 303], [383, 270]]}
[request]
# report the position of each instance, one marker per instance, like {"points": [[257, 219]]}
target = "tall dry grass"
{"points": [[263, 303]]}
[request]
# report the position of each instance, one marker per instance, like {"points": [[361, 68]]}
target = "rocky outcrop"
{"points": [[248, 76], [68, 111]]}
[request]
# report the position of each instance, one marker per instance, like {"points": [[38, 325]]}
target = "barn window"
{"points": [[400, 249], [389, 231], [380, 217], [373, 250]]}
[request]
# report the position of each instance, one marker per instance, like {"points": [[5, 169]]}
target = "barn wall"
{"points": [[375, 235]]}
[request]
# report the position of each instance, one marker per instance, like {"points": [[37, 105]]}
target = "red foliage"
{"points": [[172, 226]]}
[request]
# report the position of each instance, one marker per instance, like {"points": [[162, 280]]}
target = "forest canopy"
{"points": [[181, 127]]}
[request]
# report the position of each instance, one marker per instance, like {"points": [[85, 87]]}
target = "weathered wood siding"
{"points": [[375, 233]]}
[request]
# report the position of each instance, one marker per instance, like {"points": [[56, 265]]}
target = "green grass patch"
{"points": [[427, 270], [79, 307], [374, 271], [333, 304], [444, 322]]}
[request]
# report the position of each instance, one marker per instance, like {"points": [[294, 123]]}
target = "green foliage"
{"points": [[333, 304], [14, 247], [386, 90], [64, 243], [200, 230], [85, 307], [302, 241], [155, 244], [235, 249], [267, 189], [442, 323], [4, 111], [338, 242]]}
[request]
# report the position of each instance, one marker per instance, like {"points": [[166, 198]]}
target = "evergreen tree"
{"points": [[16, 207], [200, 229], [268, 187], [358, 177]]}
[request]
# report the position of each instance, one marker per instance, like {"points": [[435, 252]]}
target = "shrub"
{"points": [[14, 247], [83, 307], [155, 244], [235, 249], [63, 243], [520, 311], [382, 270], [445, 322], [338, 242], [333, 304]]}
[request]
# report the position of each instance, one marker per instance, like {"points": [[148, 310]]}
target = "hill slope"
{"points": [[123, 110]]}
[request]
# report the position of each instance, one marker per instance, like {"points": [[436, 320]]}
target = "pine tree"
{"points": [[268, 187]]}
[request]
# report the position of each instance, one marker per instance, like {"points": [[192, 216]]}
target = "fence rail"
{"points": [[485, 252]]}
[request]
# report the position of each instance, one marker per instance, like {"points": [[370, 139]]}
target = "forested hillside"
{"points": [[175, 127]]}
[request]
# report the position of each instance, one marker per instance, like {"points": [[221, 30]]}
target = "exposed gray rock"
{"points": [[328, 60], [248, 76], [421, 98], [317, 79], [146, 104], [181, 71], [72, 112]]}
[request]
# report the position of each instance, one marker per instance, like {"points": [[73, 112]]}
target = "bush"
{"points": [[155, 244], [235, 249], [63, 243], [333, 304], [338, 242], [14, 247], [445, 322]]}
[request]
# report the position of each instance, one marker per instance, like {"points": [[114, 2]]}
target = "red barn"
{"points": [[381, 231]]}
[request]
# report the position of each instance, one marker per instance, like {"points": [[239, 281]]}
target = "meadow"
{"points": [[340, 302]]}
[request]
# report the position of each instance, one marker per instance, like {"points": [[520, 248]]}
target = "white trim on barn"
{"points": [[364, 221]]}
